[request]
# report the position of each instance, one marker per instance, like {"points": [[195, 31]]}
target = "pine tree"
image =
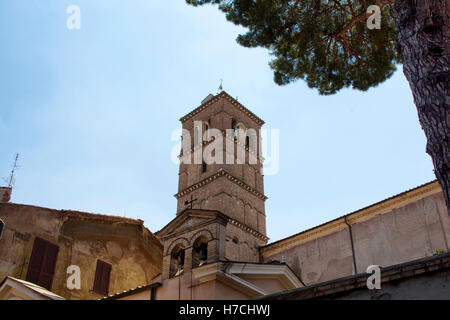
{"points": [[328, 44]]}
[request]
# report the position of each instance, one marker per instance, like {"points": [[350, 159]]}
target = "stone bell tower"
{"points": [[220, 201], [233, 186]]}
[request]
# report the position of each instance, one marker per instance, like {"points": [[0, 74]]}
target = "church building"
{"points": [[216, 246], [212, 246]]}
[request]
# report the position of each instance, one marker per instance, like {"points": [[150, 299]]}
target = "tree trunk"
{"points": [[423, 38]]}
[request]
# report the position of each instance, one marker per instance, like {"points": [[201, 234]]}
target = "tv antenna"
{"points": [[12, 178]]}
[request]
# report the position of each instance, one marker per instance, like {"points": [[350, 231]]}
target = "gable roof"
{"points": [[223, 95], [207, 215], [29, 289]]}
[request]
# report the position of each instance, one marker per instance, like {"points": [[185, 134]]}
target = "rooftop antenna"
{"points": [[221, 87], [11, 179]]}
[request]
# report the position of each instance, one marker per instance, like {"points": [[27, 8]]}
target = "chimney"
{"points": [[5, 194]]}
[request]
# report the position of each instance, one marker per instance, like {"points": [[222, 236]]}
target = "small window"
{"points": [[204, 167], [247, 141], [177, 261], [197, 137], [199, 252], [207, 132], [102, 277], [2, 225], [41, 268]]}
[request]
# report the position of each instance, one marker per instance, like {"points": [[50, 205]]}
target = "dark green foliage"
{"points": [[309, 40]]}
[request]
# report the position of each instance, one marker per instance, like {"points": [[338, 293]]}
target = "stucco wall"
{"points": [[411, 226], [425, 278], [429, 287], [130, 249]]}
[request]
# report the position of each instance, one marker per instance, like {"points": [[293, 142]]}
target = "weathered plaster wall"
{"points": [[135, 254], [407, 227], [426, 278], [429, 287]]}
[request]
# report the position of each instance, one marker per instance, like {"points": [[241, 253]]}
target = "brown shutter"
{"points": [[106, 277], [102, 277], [2, 225], [36, 259], [48, 267], [41, 268], [98, 277]]}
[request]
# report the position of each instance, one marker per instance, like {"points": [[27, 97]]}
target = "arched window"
{"points": [[239, 129], [204, 167], [197, 133], [207, 133], [177, 261], [233, 126], [200, 252]]}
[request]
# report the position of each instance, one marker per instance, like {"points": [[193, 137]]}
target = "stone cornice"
{"points": [[214, 271], [233, 101], [267, 271], [248, 229], [358, 216], [219, 174], [210, 216]]}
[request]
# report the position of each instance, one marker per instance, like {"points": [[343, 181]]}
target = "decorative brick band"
{"points": [[247, 229], [221, 173]]}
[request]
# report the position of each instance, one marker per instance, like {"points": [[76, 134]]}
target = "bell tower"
{"points": [[221, 166], [220, 201]]}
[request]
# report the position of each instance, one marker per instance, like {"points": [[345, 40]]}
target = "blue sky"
{"points": [[91, 112]]}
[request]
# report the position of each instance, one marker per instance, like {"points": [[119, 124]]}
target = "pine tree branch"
{"points": [[363, 16]]}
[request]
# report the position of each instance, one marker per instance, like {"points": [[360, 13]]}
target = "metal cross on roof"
{"points": [[190, 202]]}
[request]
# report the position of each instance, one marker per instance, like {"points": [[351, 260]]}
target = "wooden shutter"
{"points": [[102, 277], [2, 225], [41, 268], [48, 266]]}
